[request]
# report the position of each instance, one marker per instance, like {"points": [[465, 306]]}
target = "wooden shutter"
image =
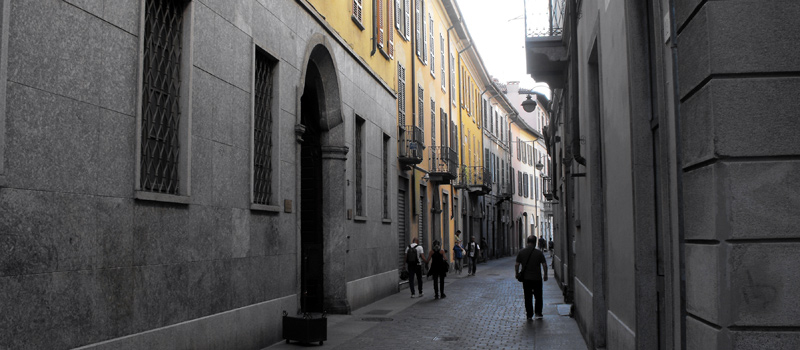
{"points": [[407, 14], [379, 20], [357, 9], [390, 30]]}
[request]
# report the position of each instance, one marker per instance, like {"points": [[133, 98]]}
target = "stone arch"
{"points": [[322, 182]]}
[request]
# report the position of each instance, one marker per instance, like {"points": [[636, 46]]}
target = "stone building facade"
{"points": [[674, 169], [173, 173]]}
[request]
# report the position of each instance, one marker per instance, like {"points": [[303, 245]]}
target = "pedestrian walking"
{"points": [[531, 276], [458, 252], [473, 252], [438, 269], [550, 247], [542, 244], [415, 256], [484, 249]]}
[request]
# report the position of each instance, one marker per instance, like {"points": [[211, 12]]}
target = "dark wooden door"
{"points": [[311, 226]]}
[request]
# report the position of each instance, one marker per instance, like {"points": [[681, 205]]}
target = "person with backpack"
{"points": [[473, 252], [458, 252], [415, 256], [439, 267]]}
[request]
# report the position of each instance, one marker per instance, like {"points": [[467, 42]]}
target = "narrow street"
{"points": [[481, 312]]}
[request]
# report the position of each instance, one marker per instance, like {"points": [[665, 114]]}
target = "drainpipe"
{"points": [[450, 117]]}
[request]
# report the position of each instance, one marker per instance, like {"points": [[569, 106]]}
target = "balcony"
{"points": [[546, 53], [444, 164], [410, 145], [506, 191], [476, 179]]}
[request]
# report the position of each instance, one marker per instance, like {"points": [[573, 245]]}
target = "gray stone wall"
{"points": [[738, 90], [81, 260]]}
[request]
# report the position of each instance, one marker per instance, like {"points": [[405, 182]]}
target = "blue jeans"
{"points": [[415, 270]]}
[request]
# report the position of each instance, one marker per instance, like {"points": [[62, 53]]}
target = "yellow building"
{"points": [[423, 50]]}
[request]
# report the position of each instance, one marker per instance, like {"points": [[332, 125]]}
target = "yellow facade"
{"points": [[442, 78]]}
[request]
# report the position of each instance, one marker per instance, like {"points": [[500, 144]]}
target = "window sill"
{"points": [[161, 197], [360, 218], [355, 20], [386, 221], [265, 208]]}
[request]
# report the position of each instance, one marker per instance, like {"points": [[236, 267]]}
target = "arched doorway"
{"points": [[311, 198], [321, 185]]}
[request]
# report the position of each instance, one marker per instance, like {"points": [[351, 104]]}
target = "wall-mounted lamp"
{"points": [[539, 166], [529, 104]]}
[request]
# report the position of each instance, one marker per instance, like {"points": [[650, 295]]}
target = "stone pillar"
{"points": [[335, 240]]}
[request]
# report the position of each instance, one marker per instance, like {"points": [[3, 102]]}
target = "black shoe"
{"points": [[436, 297], [443, 296]]}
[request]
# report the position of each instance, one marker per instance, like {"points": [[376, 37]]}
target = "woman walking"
{"points": [[438, 270]]}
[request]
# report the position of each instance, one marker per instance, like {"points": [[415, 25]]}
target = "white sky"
{"points": [[498, 28]]}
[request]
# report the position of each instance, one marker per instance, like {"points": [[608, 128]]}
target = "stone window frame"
{"points": [[385, 164], [185, 128], [359, 168], [5, 9], [273, 206]]}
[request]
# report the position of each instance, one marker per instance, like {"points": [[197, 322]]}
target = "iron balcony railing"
{"points": [[444, 161], [472, 176], [544, 18], [410, 144]]}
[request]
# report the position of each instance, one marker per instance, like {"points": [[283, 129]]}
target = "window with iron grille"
{"points": [[359, 172], [262, 128], [385, 172], [401, 94], [161, 88]]}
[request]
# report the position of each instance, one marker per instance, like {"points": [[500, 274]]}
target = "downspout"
{"points": [[413, 116], [450, 119], [679, 179]]}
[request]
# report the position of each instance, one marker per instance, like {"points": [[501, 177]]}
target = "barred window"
{"points": [[262, 128], [401, 94], [359, 153], [161, 95]]}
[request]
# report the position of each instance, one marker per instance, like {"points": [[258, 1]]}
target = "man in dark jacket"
{"points": [[530, 259]]}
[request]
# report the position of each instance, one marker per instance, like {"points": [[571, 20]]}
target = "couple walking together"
{"points": [[415, 256]]}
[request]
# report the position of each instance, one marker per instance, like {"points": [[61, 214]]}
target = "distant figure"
{"points": [[542, 244], [530, 259], [415, 255], [550, 247], [473, 251], [438, 269], [458, 253], [484, 249]]}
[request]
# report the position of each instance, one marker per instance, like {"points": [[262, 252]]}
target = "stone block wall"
{"points": [[83, 263], [738, 86]]}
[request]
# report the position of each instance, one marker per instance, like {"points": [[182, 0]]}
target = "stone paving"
{"points": [[485, 311]]}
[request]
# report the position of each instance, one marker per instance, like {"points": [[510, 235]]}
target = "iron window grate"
{"points": [[161, 110], [262, 133], [359, 168]]}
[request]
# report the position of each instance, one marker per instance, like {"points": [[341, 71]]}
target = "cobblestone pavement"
{"points": [[485, 311]]}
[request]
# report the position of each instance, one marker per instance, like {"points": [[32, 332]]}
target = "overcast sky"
{"points": [[498, 28]]}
